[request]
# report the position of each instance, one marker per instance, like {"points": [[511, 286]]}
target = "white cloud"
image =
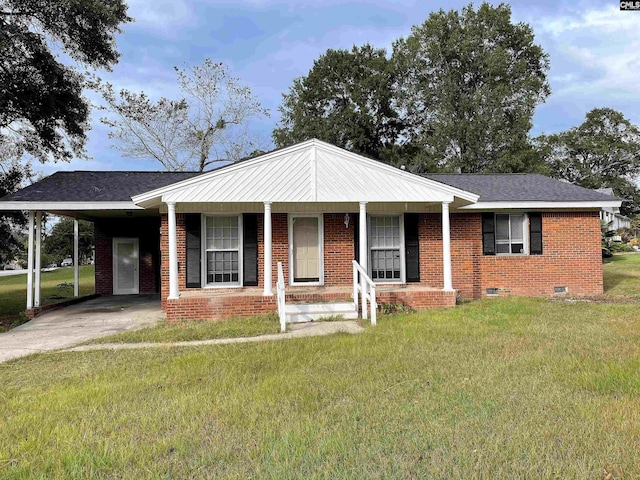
{"points": [[598, 50], [164, 16]]}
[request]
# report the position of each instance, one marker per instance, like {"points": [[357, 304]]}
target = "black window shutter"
{"points": [[535, 233], [488, 234], [250, 249], [355, 219], [412, 246], [193, 227]]}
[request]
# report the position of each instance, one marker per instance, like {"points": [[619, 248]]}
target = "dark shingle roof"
{"points": [[91, 186], [113, 186], [515, 187]]}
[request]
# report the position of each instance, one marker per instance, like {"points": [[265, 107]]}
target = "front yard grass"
{"points": [[498, 388], [201, 330], [57, 286]]}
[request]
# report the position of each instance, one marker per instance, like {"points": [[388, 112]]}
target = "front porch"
{"points": [[217, 303]]}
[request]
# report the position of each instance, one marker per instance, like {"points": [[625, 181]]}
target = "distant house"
{"points": [[210, 243], [611, 216]]}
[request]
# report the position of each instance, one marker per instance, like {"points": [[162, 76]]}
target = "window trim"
{"points": [[403, 275], [290, 219], [203, 243], [525, 234]]}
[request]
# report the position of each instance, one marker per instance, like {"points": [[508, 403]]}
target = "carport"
{"points": [[127, 237]]}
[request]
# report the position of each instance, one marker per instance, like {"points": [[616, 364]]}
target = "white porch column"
{"points": [[76, 260], [363, 235], [446, 248], [30, 264], [363, 257], [268, 280], [38, 267], [173, 252]]}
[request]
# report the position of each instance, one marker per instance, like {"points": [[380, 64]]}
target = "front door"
{"points": [[306, 249], [125, 266]]}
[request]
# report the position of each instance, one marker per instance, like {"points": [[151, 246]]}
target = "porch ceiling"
{"points": [[311, 172]]}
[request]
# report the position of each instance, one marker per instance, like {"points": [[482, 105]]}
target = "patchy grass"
{"points": [[203, 330], [13, 291], [498, 388]]}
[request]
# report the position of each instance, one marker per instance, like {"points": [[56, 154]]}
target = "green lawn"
{"points": [[498, 388], [201, 330], [13, 291], [622, 275]]}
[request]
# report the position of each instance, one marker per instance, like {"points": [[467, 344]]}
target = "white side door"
{"points": [[125, 266]]}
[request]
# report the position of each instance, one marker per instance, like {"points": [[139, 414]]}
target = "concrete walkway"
{"points": [[300, 330], [79, 323]]}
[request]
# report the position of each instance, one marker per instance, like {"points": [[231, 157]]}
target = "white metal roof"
{"points": [[312, 171]]}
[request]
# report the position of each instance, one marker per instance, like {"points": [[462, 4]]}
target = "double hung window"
{"points": [[385, 248], [222, 250]]}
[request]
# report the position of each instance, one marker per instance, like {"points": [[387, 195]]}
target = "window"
{"points": [[222, 250], [385, 248], [510, 234]]}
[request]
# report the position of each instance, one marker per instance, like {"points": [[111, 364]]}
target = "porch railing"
{"points": [[364, 286], [281, 298]]}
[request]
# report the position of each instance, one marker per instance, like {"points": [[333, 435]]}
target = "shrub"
{"points": [[621, 247]]}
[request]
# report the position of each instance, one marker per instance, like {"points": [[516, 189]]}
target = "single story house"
{"points": [[211, 243]]}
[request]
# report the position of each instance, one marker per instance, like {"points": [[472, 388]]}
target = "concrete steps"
{"points": [[309, 312]]}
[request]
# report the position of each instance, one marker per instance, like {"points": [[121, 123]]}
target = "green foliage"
{"points": [[394, 308], [469, 82], [620, 248], [42, 108], [604, 151], [346, 99], [183, 134], [458, 94], [12, 175], [59, 243]]}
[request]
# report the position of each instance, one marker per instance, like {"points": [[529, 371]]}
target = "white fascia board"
{"points": [[542, 205], [469, 196], [159, 192], [46, 206]]}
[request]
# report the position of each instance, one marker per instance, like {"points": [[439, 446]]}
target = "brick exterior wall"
{"points": [[146, 230], [571, 257]]}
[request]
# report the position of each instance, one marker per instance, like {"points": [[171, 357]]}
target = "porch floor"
{"points": [[302, 290]]}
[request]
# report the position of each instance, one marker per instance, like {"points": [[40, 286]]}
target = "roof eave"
{"points": [[17, 205], [590, 204]]}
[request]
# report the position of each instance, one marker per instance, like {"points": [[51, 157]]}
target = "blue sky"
{"points": [[594, 50]]}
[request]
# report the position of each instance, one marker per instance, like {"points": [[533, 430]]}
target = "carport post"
{"points": [[76, 260], [36, 301], [30, 264]]}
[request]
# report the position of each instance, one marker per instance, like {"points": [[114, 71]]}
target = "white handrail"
{"points": [[281, 298], [367, 289]]}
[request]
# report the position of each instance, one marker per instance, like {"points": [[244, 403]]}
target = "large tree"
{"points": [[604, 151], [42, 109], [12, 174], [207, 124], [347, 100], [468, 84], [59, 243]]}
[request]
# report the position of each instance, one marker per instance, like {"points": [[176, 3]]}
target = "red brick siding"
{"points": [[146, 231], [338, 250], [571, 257]]}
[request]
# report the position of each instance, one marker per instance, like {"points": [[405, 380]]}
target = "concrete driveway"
{"points": [[81, 322]]}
